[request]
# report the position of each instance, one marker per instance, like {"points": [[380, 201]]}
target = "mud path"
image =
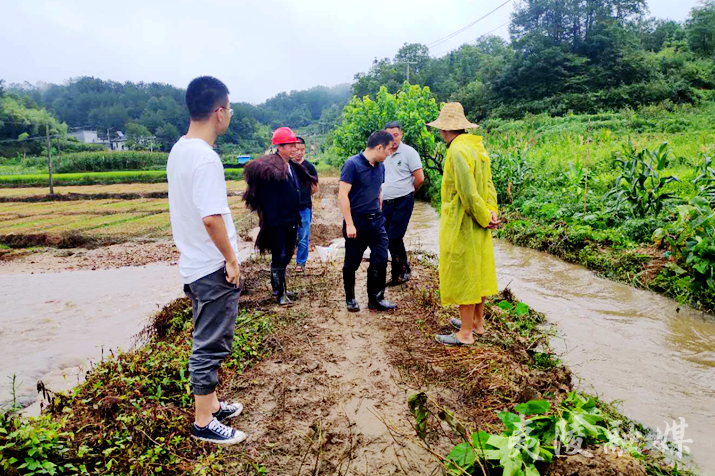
{"points": [[328, 401]]}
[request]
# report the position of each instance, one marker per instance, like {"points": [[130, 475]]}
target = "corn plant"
{"points": [[510, 172], [640, 187], [704, 182]]}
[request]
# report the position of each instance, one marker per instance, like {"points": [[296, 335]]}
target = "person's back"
{"points": [[197, 189]]}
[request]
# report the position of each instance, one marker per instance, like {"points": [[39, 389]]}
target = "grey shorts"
{"points": [[215, 305]]}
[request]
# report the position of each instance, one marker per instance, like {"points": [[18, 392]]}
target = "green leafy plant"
{"points": [[704, 181], [640, 185], [510, 172], [691, 239], [532, 437]]}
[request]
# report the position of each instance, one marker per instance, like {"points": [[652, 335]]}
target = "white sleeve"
{"points": [[209, 190], [414, 162]]}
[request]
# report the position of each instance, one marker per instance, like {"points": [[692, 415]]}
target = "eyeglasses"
{"points": [[230, 111]]}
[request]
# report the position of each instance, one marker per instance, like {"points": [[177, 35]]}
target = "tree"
{"points": [[413, 106], [700, 29], [416, 54]]}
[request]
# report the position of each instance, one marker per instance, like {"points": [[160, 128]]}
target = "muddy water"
{"points": [[625, 344], [52, 324]]}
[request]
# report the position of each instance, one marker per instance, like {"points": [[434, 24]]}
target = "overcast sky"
{"points": [[258, 48]]}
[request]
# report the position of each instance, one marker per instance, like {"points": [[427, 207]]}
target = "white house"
{"points": [[89, 136]]}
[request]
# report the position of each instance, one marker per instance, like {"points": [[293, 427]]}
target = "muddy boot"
{"points": [[274, 281], [376, 290], [407, 275], [278, 280], [349, 283], [292, 296], [396, 272]]}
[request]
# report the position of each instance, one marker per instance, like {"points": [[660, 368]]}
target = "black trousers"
{"points": [[397, 213], [282, 241], [370, 232]]}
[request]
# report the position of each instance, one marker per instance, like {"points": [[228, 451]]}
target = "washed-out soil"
{"points": [[61, 241], [322, 234], [138, 252], [73, 197]]}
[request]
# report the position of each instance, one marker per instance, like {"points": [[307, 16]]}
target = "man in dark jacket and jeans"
{"points": [[274, 183], [306, 207]]}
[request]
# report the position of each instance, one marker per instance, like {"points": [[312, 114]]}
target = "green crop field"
{"points": [[629, 195], [96, 178]]}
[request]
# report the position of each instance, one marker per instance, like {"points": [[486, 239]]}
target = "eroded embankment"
{"points": [[645, 267], [325, 391]]}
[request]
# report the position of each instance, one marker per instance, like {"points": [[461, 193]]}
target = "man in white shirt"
{"points": [[403, 177], [205, 235]]}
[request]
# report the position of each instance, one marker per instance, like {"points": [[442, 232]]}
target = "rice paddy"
{"points": [[118, 219]]}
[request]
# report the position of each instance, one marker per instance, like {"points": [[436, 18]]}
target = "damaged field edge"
{"points": [[131, 416], [644, 268], [511, 366]]}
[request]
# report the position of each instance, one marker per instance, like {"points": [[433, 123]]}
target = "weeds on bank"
{"points": [[132, 414], [513, 390], [597, 201]]}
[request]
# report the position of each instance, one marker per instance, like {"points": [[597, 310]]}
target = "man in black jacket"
{"points": [[274, 183]]}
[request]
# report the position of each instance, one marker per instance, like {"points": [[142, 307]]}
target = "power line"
{"points": [[30, 138], [453, 34], [478, 38]]}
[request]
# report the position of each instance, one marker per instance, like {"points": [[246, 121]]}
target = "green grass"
{"points": [[19, 170], [96, 178], [541, 166]]}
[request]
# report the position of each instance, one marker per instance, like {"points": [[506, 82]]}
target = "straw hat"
{"points": [[451, 118]]}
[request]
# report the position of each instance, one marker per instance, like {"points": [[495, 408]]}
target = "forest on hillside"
{"points": [[563, 56], [151, 109], [581, 56]]}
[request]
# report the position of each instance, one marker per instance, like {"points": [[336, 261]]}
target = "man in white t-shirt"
{"points": [[206, 237], [403, 177]]}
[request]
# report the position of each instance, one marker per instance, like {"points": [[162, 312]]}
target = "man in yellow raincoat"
{"points": [[467, 273]]}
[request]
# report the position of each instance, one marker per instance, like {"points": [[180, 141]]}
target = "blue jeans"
{"points": [[306, 216]]}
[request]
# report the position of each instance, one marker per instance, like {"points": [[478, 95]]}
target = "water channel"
{"points": [[625, 344]]}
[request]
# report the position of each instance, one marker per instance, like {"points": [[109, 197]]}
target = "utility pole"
{"points": [[109, 140], [49, 158], [408, 63]]}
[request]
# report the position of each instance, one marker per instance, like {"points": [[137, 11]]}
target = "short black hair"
{"points": [[300, 140], [382, 138], [204, 95], [393, 125]]}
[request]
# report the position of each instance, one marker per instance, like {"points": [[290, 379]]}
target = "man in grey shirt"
{"points": [[403, 177]]}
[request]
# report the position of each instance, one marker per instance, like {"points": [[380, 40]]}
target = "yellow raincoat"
{"points": [[467, 272]]}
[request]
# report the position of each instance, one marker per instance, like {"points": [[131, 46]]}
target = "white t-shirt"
{"points": [[197, 189], [399, 167]]}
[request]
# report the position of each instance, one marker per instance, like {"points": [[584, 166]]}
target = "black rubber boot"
{"points": [[396, 272], [349, 283], [274, 281], [408, 272], [278, 280], [376, 290]]}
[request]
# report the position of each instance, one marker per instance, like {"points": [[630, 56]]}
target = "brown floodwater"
{"points": [[655, 356], [53, 324]]}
